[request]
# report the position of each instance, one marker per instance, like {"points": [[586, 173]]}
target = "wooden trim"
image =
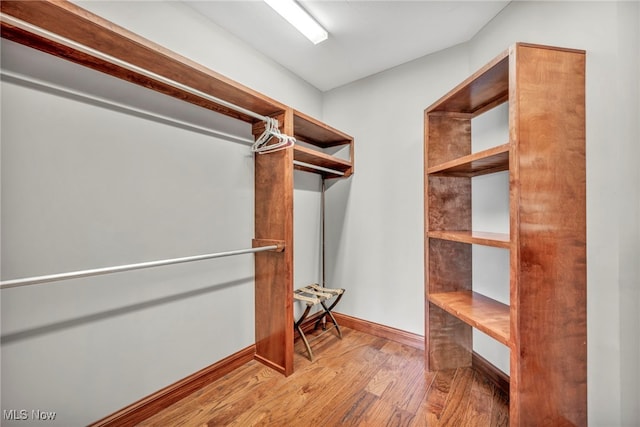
{"points": [[280, 368], [152, 404], [490, 372], [558, 48], [382, 331]]}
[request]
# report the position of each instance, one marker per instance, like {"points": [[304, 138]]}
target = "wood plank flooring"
{"points": [[361, 380]]}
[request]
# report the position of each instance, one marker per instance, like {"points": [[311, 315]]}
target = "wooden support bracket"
{"points": [[258, 243]]}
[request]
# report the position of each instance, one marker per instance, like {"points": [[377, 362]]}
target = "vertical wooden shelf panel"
{"points": [[274, 270], [548, 269], [544, 326]]}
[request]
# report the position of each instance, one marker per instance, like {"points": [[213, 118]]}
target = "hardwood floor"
{"points": [[361, 380]]}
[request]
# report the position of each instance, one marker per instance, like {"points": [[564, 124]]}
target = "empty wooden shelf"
{"points": [[485, 314], [498, 240], [489, 161], [328, 166]]}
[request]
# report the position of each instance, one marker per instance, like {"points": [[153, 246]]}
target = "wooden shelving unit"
{"points": [[75, 34], [544, 324]]}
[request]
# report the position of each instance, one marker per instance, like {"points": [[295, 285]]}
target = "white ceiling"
{"points": [[365, 37]]}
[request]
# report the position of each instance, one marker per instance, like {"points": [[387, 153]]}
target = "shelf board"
{"points": [[485, 89], [493, 160], [318, 158], [80, 26], [314, 132], [484, 314], [497, 240]]}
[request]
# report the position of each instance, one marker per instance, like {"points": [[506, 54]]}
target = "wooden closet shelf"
{"points": [[498, 240], [318, 158], [483, 313], [482, 91], [312, 131], [493, 160]]}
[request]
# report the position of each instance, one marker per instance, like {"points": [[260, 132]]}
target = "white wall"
{"points": [[87, 184], [376, 247], [629, 212]]}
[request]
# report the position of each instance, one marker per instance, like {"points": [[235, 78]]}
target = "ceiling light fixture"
{"points": [[299, 18]]}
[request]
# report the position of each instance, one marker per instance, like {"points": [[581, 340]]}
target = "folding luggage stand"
{"points": [[315, 294]]}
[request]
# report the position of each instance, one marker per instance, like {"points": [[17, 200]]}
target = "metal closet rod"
{"points": [[131, 67], [128, 267], [318, 168], [134, 110], [97, 100]]}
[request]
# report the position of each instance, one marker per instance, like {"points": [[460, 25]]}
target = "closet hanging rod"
{"points": [[120, 268], [131, 67], [22, 79], [11, 76], [318, 168], [97, 100]]}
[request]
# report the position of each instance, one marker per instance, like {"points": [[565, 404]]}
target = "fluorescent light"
{"points": [[299, 18]]}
